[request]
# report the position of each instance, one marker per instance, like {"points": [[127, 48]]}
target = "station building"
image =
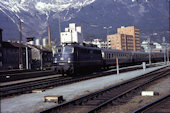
{"points": [[99, 43], [126, 39], [11, 55], [40, 55]]}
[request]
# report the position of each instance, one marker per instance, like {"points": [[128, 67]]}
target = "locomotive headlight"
{"points": [[61, 58], [69, 60], [55, 60]]}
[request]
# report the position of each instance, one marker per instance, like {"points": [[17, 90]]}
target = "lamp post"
{"points": [[107, 29], [59, 24], [27, 61]]}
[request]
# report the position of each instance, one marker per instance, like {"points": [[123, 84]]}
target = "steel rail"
{"points": [[150, 105], [28, 86], [87, 103], [24, 75], [94, 110]]}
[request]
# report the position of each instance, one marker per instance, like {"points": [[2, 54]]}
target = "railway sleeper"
{"points": [[114, 103]]}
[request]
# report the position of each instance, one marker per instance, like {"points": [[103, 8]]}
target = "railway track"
{"points": [[161, 105], [114, 95], [23, 74], [13, 75], [4, 72], [27, 87]]}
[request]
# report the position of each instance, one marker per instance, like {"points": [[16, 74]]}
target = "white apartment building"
{"points": [[98, 42], [153, 46], [72, 34], [157, 45]]}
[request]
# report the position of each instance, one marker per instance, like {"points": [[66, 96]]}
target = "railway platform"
{"points": [[34, 102]]}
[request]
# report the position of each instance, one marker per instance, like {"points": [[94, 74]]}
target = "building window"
{"points": [[0, 64]]}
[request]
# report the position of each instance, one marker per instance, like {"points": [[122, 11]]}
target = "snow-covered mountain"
{"points": [[92, 15], [35, 14]]}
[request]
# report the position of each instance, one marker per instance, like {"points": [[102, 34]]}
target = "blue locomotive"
{"points": [[75, 58]]}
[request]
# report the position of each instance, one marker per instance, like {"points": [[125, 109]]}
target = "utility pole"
{"points": [[20, 47], [164, 49], [59, 25], [169, 22], [168, 48], [149, 47], [49, 36]]}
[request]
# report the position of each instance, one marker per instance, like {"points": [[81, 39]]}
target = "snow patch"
{"points": [[40, 11]]}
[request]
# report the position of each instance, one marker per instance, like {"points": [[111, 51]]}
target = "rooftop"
{"points": [[12, 45], [39, 48]]}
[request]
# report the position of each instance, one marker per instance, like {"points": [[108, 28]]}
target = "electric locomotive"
{"points": [[63, 59], [74, 58]]}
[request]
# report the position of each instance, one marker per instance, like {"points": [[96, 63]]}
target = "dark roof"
{"points": [[6, 44], [12, 45], [18, 45], [30, 39], [39, 48]]}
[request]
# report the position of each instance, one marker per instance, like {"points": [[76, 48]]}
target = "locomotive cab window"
{"points": [[58, 50], [68, 50]]}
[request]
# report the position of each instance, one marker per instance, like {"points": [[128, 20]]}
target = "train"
{"points": [[74, 58]]}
